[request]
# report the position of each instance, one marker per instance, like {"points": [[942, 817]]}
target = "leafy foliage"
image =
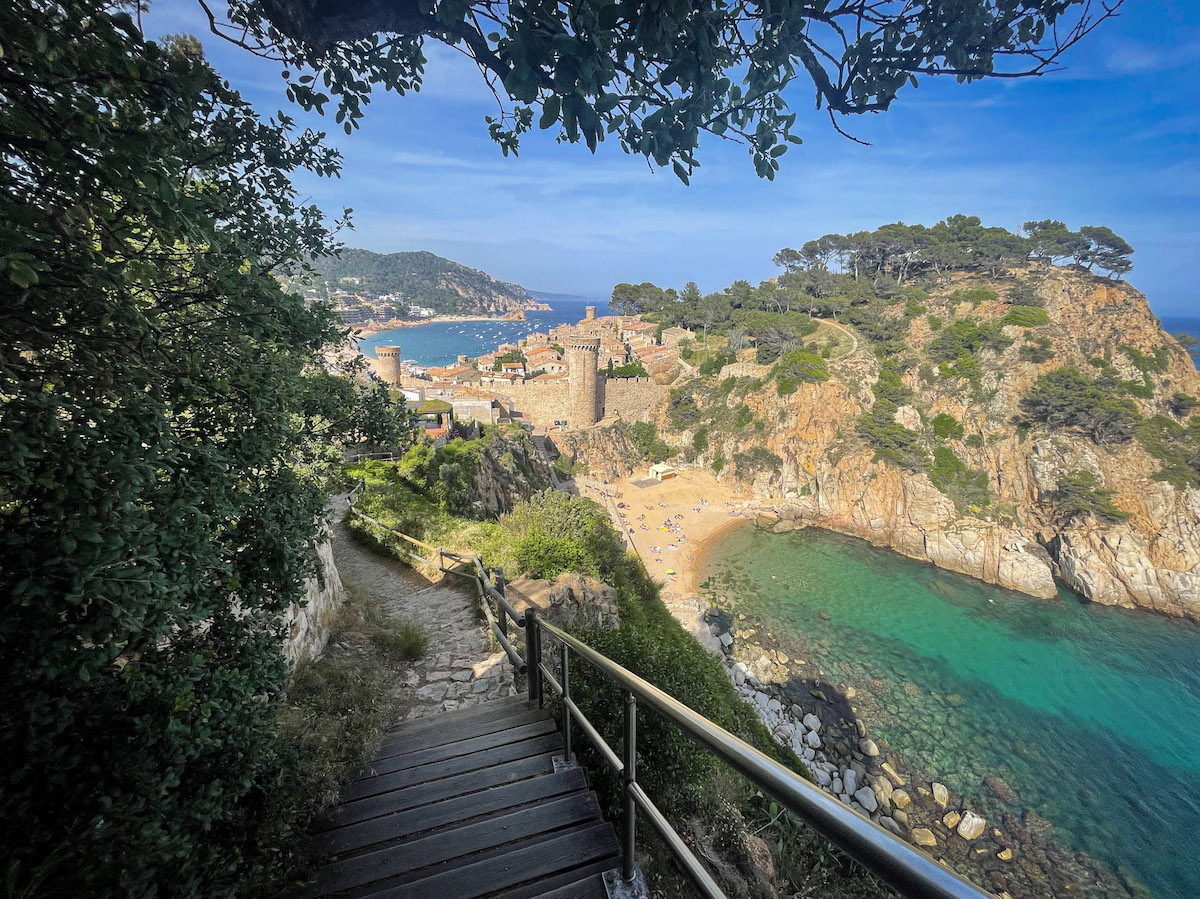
{"points": [[799, 367], [161, 469], [1065, 398], [755, 460], [968, 487], [947, 426], [1079, 495], [960, 343], [892, 441], [591, 71], [1026, 317], [973, 295], [1090, 246], [1175, 446], [1037, 350]]}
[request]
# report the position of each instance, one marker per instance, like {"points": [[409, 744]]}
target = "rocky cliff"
{"points": [[821, 469], [509, 470]]}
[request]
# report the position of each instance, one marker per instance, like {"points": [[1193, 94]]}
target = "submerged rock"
{"points": [[971, 826], [940, 794], [923, 836]]}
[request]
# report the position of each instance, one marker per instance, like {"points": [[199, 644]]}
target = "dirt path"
{"points": [[458, 669]]}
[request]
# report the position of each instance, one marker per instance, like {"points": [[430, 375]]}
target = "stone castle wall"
{"points": [[633, 399], [630, 399]]}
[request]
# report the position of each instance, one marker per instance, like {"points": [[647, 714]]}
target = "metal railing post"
{"points": [[532, 672], [629, 809], [566, 696], [501, 615]]}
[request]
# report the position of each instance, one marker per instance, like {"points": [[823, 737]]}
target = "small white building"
{"points": [[663, 471]]}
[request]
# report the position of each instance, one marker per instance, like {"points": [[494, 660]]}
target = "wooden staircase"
{"points": [[467, 804]]}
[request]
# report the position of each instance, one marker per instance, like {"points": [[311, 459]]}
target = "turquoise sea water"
{"points": [[1091, 714], [442, 342]]}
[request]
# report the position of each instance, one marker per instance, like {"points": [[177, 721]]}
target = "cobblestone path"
{"points": [[460, 669]]}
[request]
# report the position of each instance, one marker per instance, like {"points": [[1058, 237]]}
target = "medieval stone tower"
{"points": [[388, 366], [589, 313], [585, 390]]}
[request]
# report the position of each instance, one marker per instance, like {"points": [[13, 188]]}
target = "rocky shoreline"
{"points": [[1013, 854]]}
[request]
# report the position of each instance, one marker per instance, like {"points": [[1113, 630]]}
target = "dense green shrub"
{"points": [[682, 408], [968, 487], [891, 441], [964, 338], [1065, 398], [1037, 350], [1175, 446], [714, 362], [1155, 363], [1079, 495], [718, 463], [1024, 293], [766, 353], [162, 454], [798, 367], [935, 322], [946, 426], [974, 295], [890, 385], [700, 440], [646, 441], [755, 460], [1026, 317], [634, 369], [1182, 405]]}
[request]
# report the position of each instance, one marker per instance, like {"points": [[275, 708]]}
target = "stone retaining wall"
{"points": [[308, 624]]}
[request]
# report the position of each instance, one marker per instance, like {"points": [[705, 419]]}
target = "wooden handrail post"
{"points": [[441, 559], [533, 657], [629, 775]]}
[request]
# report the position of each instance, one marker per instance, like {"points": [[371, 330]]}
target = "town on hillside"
{"points": [[573, 376]]}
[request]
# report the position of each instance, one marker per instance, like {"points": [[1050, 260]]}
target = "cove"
{"points": [[1091, 714]]}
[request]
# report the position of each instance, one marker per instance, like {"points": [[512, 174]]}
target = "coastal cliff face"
{"points": [[826, 474]]}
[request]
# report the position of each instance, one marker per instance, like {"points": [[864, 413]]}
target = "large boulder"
{"points": [[570, 600]]}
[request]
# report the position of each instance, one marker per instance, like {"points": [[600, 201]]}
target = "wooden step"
{"points": [[591, 886], [481, 833], [530, 862], [482, 711], [462, 764], [464, 747], [455, 731], [404, 825], [439, 788]]}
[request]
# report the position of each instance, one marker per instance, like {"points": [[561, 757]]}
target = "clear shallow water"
{"points": [[1091, 714], [442, 342]]}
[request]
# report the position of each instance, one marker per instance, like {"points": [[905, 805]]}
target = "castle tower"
{"points": [[388, 366], [585, 392], [589, 313]]}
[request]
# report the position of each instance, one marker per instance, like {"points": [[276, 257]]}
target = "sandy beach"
{"points": [[673, 524]]}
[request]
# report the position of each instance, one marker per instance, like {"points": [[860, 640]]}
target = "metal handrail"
{"points": [[908, 870]]}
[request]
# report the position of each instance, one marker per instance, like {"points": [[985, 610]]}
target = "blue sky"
{"points": [[1113, 140]]}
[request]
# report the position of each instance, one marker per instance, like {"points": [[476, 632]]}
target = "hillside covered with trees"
{"points": [[423, 279], [952, 392]]}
